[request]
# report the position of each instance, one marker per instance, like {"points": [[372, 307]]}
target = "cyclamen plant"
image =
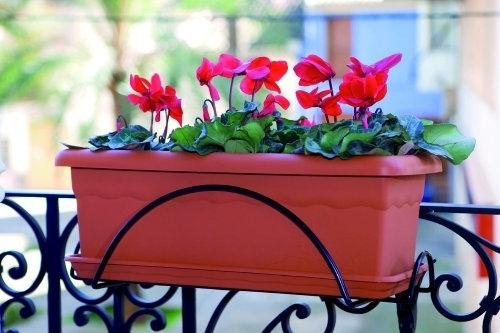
{"points": [[256, 129]]}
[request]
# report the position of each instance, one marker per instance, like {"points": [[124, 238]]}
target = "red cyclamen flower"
{"points": [[149, 95], [171, 103], [262, 71], [313, 70], [270, 105], [205, 73], [230, 65], [329, 105], [154, 98], [363, 91], [366, 84]]}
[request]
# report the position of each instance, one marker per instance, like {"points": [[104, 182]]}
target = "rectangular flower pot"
{"points": [[364, 211]]}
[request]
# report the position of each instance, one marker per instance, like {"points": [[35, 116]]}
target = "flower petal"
{"points": [[305, 99], [176, 111], [155, 84], [139, 84], [278, 70], [271, 85], [206, 115], [330, 106], [258, 73], [387, 63], [247, 85], [282, 101], [259, 62], [228, 63], [321, 65], [134, 99], [214, 93]]}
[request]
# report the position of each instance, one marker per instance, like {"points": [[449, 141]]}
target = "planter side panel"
{"points": [[367, 223]]}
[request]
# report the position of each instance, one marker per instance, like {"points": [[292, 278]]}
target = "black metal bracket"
{"points": [[349, 304], [52, 246]]}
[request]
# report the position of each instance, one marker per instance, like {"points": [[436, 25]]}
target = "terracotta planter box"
{"points": [[364, 210]]}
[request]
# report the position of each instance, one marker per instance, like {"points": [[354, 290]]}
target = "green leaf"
{"points": [[333, 138], [238, 146], [264, 122], [363, 148], [70, 146], [448, 137], [269, 145], [285, 123], [208, 149], [434, 149], [186, 136], [130, 137], [360, 135], [413, 126], [214, 134], [100, 141], [233, 117], [255, 133], [406, 148], [312, 147], [250, 106]]}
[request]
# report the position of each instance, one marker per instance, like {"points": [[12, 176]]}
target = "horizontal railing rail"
{"points": [[52, 241]]}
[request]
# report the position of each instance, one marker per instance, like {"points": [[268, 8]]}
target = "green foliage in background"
{"points": [[26, 65]]}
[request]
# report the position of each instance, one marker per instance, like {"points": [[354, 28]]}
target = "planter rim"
{"points": [[265, 163]]}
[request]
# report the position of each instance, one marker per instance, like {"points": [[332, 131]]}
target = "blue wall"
{"points": [[374, 38]]}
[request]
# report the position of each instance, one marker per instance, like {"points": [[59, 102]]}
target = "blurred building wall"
{"points": [[371, 30], [478, 115]]}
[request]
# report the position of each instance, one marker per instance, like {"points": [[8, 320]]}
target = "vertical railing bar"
{"points": [[118, 309], [188, 310], [53, 266]]}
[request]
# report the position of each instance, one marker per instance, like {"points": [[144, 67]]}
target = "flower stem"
{"points": [[327, 119], [165, 130], [151, 123], [231, 92], [330, 83], [254, 90], [208, 100]]}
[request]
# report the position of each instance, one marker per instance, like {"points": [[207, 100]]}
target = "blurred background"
{"points": [[64, 67], [64, 64]]}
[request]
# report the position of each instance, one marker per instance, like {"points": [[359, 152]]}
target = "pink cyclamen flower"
{"points": [[270, 105], [230, 65], [205, 73], [206, 115], [262, 71], [305, 122], [149, 92], [362, 70], [313, 70]]}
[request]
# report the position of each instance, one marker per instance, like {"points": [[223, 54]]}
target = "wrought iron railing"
{"points": [[53, 242]]}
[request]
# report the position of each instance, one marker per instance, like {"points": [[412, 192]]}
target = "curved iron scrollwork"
{"points": [[53, 266], [21, 269], [119, 293], [489, 306]]}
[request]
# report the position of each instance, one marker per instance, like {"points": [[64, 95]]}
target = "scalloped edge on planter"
{"points": [[364, 210]]}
